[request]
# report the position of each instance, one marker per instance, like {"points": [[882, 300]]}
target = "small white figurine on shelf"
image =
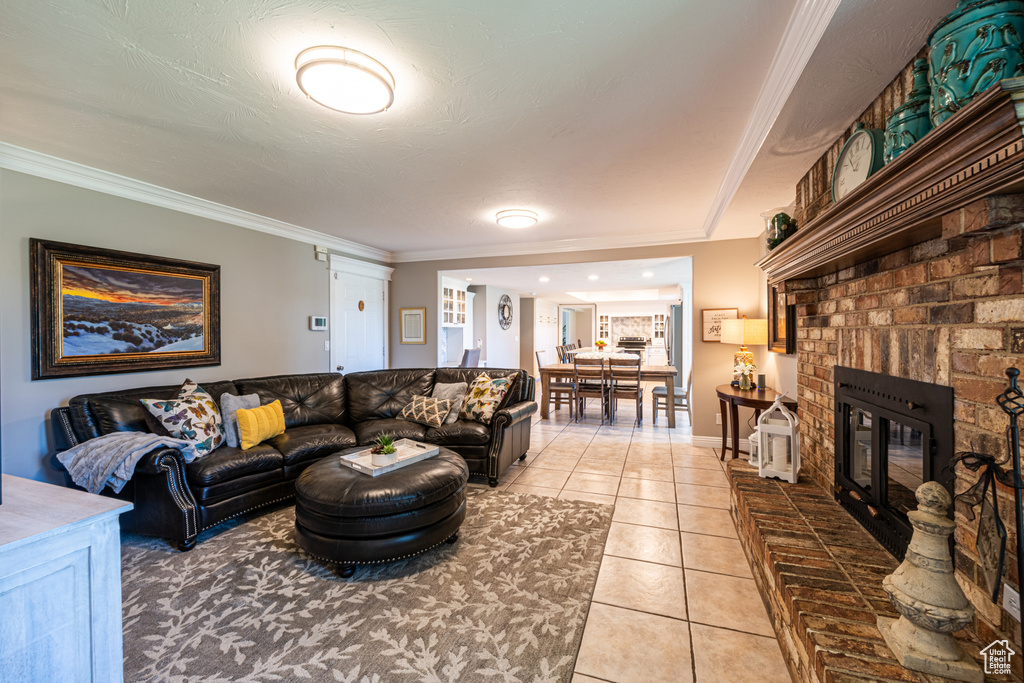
{"points": [[778, 441]]}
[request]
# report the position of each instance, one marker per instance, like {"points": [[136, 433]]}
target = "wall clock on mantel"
{"points": [[505, 312], [860, 157]]}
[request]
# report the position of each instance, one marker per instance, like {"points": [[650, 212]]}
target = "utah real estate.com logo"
{"points": [[997, 657]]}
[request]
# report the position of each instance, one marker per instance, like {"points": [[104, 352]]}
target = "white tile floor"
{"points": [[674, 600]]}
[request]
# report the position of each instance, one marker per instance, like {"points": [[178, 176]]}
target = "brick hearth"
{"points": [[820, 575]]}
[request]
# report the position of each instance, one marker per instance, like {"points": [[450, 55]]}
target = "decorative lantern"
{"points": [[778, 448], [754, 441]]}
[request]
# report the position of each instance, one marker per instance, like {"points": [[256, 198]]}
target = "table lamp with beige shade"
{"points": [[745, 332]]}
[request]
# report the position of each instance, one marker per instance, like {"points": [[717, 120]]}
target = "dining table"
{"points": [[652, 373]]}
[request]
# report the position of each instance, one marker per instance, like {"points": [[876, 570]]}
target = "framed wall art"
{"points": [[98, 311], [781, 322], [414, 329], [711, 322]]}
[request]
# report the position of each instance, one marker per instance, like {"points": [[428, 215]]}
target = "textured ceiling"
{"points": [[612, 119]]}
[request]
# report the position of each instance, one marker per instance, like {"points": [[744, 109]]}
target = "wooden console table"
{"points": [[60, 584], [732, 399]]}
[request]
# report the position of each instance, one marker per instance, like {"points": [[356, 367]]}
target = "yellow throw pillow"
{"points": [[259, 424]]}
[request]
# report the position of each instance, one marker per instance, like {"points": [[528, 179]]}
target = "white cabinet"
{"points": [[60, 584], [658, 335], [454, 296]]}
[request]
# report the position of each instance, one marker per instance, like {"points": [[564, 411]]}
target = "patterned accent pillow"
{"points": [[426, 410], [193, 417], [484, 397]]}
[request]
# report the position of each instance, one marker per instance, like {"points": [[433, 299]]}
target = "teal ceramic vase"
{"points": [[911, 120], [978, 44]]}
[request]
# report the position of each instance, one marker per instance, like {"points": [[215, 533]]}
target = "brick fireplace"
{"points": [[918, 275]]}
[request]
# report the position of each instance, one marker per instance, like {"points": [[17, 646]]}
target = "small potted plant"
{"points": [[383, 451]]}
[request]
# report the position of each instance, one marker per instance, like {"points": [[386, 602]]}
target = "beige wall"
{"points": [[723, 277], [269, 287]]}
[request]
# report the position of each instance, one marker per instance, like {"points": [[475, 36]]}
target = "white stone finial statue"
{"points": [[925, 592]]}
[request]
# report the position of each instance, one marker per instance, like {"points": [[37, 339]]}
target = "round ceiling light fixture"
{"points": [[344, 80], [648, 274], [544, 278], [516, 218], [591, 277]]}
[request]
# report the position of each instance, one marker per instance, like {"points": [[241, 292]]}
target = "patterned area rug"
{"points": [[507, 602]]}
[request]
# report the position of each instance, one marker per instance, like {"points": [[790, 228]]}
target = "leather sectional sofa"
{"points": [[324, 413]]}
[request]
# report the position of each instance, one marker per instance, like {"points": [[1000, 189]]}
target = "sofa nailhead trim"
{"points": [[242, 512]]}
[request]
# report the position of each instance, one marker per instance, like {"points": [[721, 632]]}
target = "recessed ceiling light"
{"points": [[545, 279], [344, 80], [648, 274], [591, 277], [516, 218], [533, 293], [469, 279]]}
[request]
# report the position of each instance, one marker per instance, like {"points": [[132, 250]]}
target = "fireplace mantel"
{"points": [[976, 153]]}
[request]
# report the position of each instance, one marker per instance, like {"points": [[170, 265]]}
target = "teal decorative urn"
{"points": [[978, 44], [912, 119]]}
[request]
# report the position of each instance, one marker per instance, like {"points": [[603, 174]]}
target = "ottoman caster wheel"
{"points": [[346, 571], [451, 539], [492, 482], [523, 456]]}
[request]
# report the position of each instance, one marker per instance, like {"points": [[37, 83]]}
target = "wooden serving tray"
{"points": [[408, 452]]}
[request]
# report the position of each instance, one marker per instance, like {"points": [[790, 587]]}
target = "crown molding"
{"points": [[63, 171], [342, 264], [552, 247], [806, 26]]}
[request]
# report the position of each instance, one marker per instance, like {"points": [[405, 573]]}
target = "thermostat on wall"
{"points": [[318, 323]]}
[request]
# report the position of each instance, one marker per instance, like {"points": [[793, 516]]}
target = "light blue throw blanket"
{"points": [[111, 459]]}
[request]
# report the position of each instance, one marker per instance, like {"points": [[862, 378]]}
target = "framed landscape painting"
{"points": [[97, 311]]}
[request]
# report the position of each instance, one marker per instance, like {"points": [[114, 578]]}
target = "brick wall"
{"points": [[948, 311]]}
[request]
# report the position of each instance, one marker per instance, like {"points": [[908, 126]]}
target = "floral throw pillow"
{"points": [[484, 397], [193, 417]]}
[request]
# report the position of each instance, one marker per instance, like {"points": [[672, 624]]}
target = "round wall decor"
{"points": [[505, 312]]}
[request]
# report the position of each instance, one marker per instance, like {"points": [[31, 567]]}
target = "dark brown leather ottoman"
{"points": [[351, 518]]}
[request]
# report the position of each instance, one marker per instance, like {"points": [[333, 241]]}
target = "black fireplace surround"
{"points": [[891, 436]]}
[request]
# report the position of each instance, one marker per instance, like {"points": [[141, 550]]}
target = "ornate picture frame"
{"points": [[711, 322], [99, 311], [781, 322], [413, 325]]}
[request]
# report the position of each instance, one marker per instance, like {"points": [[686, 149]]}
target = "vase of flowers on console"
{"points": [[746, 375]]}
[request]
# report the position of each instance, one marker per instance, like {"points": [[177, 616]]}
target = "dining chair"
{"points": [[591, 382], [563, 355], [681, 400], [624, 383], [470, 358], [559, 390]]}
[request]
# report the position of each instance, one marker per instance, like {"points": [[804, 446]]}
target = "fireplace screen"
{"points": [[892, 436]]}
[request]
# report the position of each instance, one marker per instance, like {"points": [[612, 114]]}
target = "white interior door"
{"points": [[358, 318]]}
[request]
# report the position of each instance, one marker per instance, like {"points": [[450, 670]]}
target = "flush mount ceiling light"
{"points": [[516, 218], [591, 277], [648, 274], [545, 278], [344, 80]]}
